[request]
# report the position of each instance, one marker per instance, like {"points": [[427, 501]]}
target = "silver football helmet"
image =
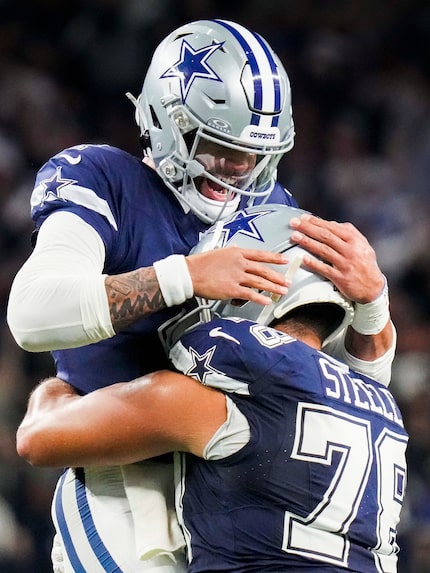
{"points": [[215, 116], [264, 227]]}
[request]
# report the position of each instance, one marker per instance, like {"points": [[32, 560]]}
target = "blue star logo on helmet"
{"points": [[243, 224], [191, 65]]}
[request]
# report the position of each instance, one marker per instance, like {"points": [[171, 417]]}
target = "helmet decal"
{"points": [[264, 71], [192, 64], [242, 223]]}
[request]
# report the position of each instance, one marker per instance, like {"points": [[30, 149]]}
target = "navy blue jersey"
{"points": [[320, 482], [139, 221]]}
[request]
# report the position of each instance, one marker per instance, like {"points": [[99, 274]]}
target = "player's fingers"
{"points": [[320, 267], [264, 275], [328, 253], [262, 256], [263, 297], [336, 235]]}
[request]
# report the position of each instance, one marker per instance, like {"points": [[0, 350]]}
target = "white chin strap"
{"points": [[208, 209]]}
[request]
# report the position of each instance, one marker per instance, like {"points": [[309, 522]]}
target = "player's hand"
{"points": [[239, 273], [348, 260]]}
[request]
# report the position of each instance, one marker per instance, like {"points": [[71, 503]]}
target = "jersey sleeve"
{"points": [[231, 354], [81, 180]]}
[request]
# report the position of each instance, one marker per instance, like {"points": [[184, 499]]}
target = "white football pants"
{"points": [[117, 520]]}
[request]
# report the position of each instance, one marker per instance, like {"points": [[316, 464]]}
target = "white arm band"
{"points": [[371, 318], [58, 298], [174, 279]]}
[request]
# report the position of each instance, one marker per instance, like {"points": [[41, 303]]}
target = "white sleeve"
{"points": [[231, 436], [58, 297], [379, 369]]}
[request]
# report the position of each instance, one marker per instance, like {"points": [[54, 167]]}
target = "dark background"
{"points": [[361, 100]]}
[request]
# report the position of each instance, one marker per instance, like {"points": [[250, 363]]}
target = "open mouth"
{"points": [[215, 191]]}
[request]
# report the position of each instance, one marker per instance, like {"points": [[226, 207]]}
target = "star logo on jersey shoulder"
{"points": [[243, 224], [51, 187], [201, 367], [193, 64]]}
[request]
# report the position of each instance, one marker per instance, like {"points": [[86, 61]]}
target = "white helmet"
{"points": [[213, 89], [265, 227]]}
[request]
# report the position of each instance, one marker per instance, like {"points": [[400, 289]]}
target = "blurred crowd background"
{"points": [[360, 75]]}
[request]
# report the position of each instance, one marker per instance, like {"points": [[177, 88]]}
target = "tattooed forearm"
{"points": [[133, 295]]}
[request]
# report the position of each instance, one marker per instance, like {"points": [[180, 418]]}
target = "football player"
{"points": [[113, 232], [294, 462]]}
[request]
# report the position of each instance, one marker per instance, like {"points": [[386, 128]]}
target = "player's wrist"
{"points": [[174, 279], [372, 317]]}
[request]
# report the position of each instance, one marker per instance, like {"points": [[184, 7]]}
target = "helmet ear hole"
{"points": [[155, 121]]}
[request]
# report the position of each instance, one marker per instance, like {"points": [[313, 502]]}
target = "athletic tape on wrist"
{"points": [[174, 279], [371, 318]]}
